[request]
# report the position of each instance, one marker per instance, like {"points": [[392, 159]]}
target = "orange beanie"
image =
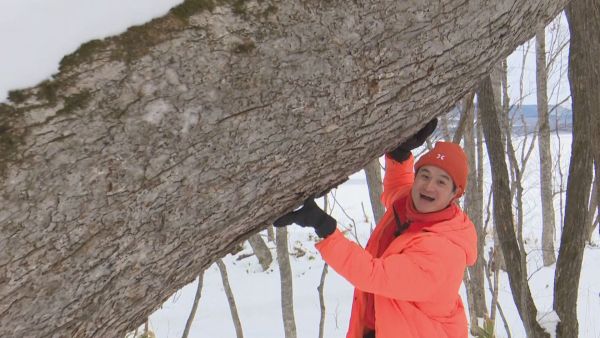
{"points": [[451, 158]]}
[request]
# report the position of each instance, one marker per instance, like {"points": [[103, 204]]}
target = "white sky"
{"points": [[36, 34]]}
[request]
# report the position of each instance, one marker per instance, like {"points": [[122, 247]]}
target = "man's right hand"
{"points": [[403, 151]]}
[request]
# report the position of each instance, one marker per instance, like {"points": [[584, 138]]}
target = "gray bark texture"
{"points": [[584, 79], [503, 217], [546, 184], [152, 153]]}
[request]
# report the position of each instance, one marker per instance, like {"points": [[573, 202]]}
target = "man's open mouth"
{"points": [[427, 198]]}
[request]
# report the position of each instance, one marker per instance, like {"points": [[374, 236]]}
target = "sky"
{"points": [[36, 34]]}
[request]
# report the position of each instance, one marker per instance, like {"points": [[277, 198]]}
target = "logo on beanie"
{"points": [[441, 157]]}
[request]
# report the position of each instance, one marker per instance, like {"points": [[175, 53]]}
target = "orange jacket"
{"points": [[415, 282]]}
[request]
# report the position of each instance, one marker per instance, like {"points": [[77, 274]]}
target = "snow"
{"points": [[36, 34]]}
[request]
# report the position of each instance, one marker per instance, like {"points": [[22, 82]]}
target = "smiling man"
{"points": [[407, 277]]}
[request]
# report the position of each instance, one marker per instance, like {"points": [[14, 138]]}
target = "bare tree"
{"points": [[190, 320], [287, 290], [473, 202], [261, 251], [583, 17], [503, 218], [150, 154], [230, 299], [321, 290], [373, 174], [546, 187]]}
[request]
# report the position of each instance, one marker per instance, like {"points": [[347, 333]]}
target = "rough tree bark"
{"points": [[546, 186], [583, 17], [503, 218], [152, 153]]}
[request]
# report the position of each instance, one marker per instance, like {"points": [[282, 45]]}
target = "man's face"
{"points": [[433, 189]]}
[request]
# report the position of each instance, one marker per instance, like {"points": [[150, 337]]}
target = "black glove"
{"points": [[310, 215], [402, 152]]}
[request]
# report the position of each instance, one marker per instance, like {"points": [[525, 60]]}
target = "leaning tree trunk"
{"points": [[584, 72], [151, 154], [503, 218]]}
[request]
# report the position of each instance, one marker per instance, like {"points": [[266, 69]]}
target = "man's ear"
{"points": [[457, 193]]}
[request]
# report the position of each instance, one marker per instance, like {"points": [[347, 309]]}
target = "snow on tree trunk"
{"points": [[153, 153]]}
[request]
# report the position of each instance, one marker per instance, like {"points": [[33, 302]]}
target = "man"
{"points": [[407, 277]]}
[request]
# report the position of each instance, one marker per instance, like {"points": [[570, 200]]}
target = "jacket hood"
{"points": [[451, 223]]}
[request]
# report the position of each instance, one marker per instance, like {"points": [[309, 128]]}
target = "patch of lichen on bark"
{"points": [[75, 102], [18, 96], [138, 40], [10, 137], [127, 47]]}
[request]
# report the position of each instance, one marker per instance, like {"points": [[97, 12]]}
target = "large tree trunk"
{"points": [[151, 154], [584, 72], [503, 217], [546, 186]]}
